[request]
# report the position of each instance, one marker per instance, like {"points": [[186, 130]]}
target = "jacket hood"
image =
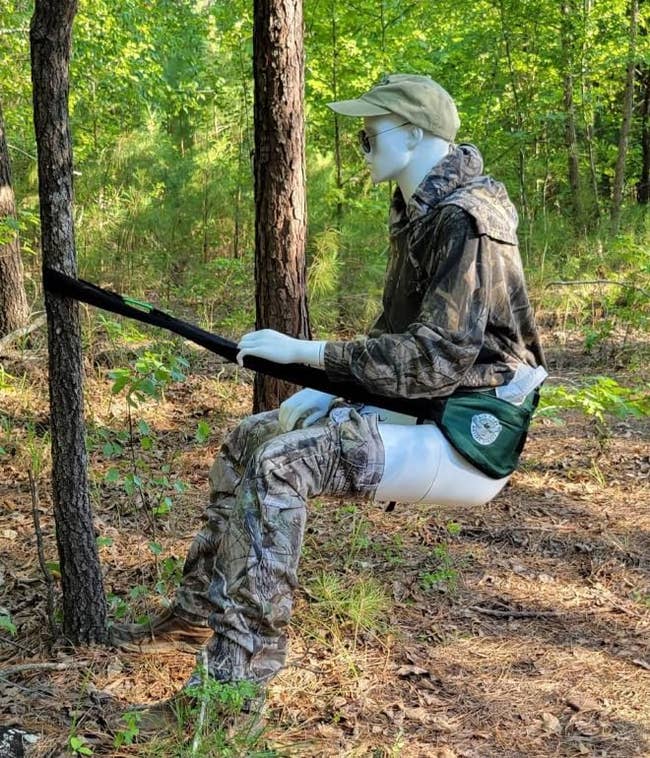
{"points": [[458, 180]]}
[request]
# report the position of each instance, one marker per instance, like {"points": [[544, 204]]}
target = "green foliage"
{"points": [[161, 107], [445, 572], [6, 624], [359, 605], [598, 397], [78, 745], [151, 374], [445, 575], [228, 697], [213, 711], [131, 730], [202, 434]]}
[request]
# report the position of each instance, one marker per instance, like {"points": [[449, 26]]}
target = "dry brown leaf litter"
{"points": [[538, 645]]}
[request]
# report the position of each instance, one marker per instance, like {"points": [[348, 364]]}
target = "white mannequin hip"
{"points": [[421, 466]]}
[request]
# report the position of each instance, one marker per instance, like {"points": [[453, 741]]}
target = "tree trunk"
{"points": [[14, 310], [586, 88], [519, 114], [84, 604], [280, 209], [570, 131], [643, 187], [337, 130], [626, 122]]}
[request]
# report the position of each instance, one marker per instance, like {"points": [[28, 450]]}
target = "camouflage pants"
{"points": [[241, 568]]}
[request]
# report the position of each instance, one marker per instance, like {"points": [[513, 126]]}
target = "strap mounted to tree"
{"points": [[63, 285]]}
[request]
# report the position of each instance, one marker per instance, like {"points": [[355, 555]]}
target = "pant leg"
{"points": [[192, 599], [255, 571]]}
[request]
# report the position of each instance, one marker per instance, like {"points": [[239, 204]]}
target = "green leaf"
{"points": [[112, 476], [156, 548], [144, 428], [202, 434], [7, 625]]}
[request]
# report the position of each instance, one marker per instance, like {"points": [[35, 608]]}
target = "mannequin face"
{"points": [[391, 143]]}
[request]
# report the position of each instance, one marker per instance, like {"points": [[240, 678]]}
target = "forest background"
{"points": [[427, 613], [556, 96]]}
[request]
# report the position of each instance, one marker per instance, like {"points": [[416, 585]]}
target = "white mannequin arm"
{"points": [[278, 347]]}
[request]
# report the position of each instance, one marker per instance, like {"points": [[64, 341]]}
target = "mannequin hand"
{"points": [[309, 405], [278, 347]]}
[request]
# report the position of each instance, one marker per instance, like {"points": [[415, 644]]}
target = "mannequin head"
{"points": [[400, 151], [410, 123]]}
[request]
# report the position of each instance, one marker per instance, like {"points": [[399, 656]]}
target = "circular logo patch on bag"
{"points": [[485, 428]]}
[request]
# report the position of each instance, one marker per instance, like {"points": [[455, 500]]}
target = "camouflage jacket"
{"points": [[456, 313]]}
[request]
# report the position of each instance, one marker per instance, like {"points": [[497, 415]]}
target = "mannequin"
{"points": [[456, 330]]}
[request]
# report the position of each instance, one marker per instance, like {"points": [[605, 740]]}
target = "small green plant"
{"points": [[78, 745], [148, 378], [445, 574], [109, 441], [6, 379], [598, 397], [229, 697], [123, 331], [128, 735], [363, 606], [6, 624], [118, 606], [202, 434], [218, 715], [171, 573], [643, 598]]}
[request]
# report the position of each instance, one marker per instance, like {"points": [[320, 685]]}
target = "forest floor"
{"points": [[521, 628]]}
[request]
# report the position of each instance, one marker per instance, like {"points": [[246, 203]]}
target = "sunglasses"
{"points": [[364, 137]]}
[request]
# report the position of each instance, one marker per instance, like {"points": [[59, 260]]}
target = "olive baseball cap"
{"points": [[418, 99]]}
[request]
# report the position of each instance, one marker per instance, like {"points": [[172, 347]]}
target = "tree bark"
{"points": [[519, 114], [84, 604], [643, 187], [280, 208], [570, 131], [626, 121], [337, 130], [14, 310]]}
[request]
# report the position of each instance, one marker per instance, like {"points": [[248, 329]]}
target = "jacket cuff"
{"points": [[337, 360]]}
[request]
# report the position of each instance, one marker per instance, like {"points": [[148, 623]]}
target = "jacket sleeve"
{"points": [[430, 358]]}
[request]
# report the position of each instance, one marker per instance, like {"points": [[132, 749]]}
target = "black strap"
{"points": [[63, 285]]}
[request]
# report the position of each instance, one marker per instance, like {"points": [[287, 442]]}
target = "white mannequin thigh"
{"points": [[421, 466]]}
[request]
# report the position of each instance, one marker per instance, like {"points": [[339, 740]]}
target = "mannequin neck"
{"points": [[429, 151]]}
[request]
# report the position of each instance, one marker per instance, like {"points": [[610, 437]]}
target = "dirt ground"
{"points": [[521, 628]]}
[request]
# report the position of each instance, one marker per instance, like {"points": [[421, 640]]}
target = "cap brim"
{"points": [[357, 108]]}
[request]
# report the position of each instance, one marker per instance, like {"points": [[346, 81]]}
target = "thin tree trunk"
{"points": [[14, 310], [337, 131], [626, 123], [570, 131], [519, 117], [240, 164], [84, 604], [643, 188], [587, 109], [280, 209]]}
